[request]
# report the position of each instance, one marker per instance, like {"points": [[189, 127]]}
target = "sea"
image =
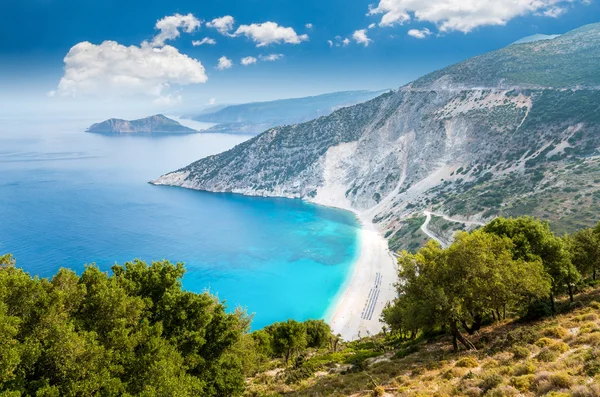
{"points": [[69, 198]]}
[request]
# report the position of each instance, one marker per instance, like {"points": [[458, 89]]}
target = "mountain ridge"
{"points": [[474, 145], [256, 117]]}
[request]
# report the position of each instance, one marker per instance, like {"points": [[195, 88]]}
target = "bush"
{"points": [[378, 391], [544, 342], [525, 368], [521, 352], [560, 347], [467, 362], [557, 332], [490, 381], [537, 310], [503, 391], [588, 327], [592, 339], [592, 363], [522, 383], [561, 380], [547, 355]]}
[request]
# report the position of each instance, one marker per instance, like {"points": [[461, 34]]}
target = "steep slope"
{"points": [[253, 118], [148, 125], [511, 132]]}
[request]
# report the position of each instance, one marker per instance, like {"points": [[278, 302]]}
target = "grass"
{"points": [[557, 356]]}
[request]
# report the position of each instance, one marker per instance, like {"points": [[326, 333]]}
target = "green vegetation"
{"points": [[474, 319], [134, 332], [409, 235], [506, 309]]}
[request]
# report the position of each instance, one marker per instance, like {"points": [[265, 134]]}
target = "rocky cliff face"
{"points": [[510, 132], [148, 125]]}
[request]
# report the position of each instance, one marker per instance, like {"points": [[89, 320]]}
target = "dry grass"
{"points": [[556, 357]]}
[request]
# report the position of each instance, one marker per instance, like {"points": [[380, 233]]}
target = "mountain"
{"points": [[511, 132], [536, 37], [149, 125], [253, 118]]}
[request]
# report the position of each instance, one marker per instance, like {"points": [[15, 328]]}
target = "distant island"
{"points": [[157, 124]]}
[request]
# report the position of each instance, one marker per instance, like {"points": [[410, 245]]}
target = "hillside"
{"points": [[256, 117], [511, 132], [149, 125], [557, 357]]}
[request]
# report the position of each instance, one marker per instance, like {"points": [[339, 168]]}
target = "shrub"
{"points": [[522, 383], [592, 363], [490, 381], [544, 342], [557, 332], [491, 363], [560, 347], [588, 328], [547, 355], [378, 391], [473, 392], [524, 369], [520, 352], [503, 391], [561, 380], [467, 362], [590, 339], [592, 390]]}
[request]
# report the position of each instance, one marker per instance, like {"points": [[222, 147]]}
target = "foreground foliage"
{"points": [[556, 357]]}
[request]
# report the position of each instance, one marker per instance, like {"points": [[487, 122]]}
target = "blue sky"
{"points": [[379, 51]]}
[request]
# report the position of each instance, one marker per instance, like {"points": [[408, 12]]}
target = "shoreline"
{"points": [[370, 282], [356, 309]]}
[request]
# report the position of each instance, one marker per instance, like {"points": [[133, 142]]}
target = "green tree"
{"points": [[533, 239], [318, 333], [135, 332], [584, 246], [457, 288], [6, 260], [288, 338]]}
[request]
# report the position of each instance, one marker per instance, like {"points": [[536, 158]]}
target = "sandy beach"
{"points": [[358, 309]]}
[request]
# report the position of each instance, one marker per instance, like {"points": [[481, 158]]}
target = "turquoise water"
{"points": [[68, 198]]}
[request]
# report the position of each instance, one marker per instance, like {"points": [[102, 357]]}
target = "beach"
{"points": [[371, 285]]}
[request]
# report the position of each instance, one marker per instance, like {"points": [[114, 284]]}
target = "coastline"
{"points": [[356, 308], [355, 312]]}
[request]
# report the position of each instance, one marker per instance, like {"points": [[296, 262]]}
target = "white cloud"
{"points": [[360, 36], [309, 26], [271, 57], [346, 42], [223, 24], [224, 63], [168, 100], [212, 101], [114, 69], [270, 33], [206, 40], [554, 12], [51, 94], [371, 26], [419, 34], [330, 43], [169, 27], [248, 61], [461, 15]]}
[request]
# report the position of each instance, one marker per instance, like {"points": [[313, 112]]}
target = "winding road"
{"points": [[430, 234]]}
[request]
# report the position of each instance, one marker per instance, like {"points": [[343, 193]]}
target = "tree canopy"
{"points": [[135, 332], [475, 279]]}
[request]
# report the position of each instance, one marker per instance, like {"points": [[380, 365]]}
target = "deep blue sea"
{"points": [[68, 198]]}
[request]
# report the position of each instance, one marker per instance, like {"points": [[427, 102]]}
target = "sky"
{"points": [[181, 55]]}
